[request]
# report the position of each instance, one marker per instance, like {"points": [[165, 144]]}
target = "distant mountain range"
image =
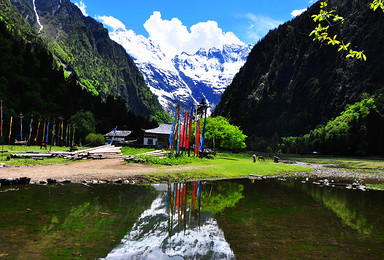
{"points": [[204, 74]]}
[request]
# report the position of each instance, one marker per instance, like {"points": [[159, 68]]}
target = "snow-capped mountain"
{"points": [[204, 74]]}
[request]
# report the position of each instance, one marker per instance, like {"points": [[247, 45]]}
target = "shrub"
{"points": [[95, 139]]}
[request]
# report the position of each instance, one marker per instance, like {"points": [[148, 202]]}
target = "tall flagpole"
{"points": [[10, 130], [1, 119], [30, 130], [2, 139]]}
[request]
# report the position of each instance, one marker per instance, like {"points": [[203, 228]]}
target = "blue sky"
{"points": [[246, 20]]}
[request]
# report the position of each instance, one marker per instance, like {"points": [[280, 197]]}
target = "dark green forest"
{"points": [[33, 83], [82, 45], [291, 84], [358, 130]]}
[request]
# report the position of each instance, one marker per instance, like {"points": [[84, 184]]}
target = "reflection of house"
{"points": [[158, 136], [121, 137]]}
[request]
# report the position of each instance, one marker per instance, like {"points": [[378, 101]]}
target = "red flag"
{"points": [[197, 138], [194, 195], [185, 129], [190, 129], [182, 136]]}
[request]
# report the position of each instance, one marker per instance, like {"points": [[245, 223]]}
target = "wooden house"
{"points": [[158, 137], [121, 137]]}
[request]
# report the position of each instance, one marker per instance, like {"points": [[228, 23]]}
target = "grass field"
{"points": [[6, 150], [224, 166]]}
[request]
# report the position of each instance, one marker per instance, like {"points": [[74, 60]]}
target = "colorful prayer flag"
{"points": [[203, 134], [37, 134], [10, 129]]}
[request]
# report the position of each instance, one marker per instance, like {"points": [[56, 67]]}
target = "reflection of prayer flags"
{"points": [[37, 134], [178, 199], [10, 129], [194, 195]]}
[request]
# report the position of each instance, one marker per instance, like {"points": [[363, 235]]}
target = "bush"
{"points": [[95, 139]]}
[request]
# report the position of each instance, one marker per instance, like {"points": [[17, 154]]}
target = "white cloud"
{"points": [[260, 25], [82, 7], [111, 22], [173, 37], [298, 12]]}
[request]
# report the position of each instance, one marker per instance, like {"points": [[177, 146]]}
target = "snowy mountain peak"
{"points": [[204, 74]]}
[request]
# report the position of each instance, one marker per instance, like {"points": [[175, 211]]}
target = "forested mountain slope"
{"points": [[290, 83], [32, 82], [83, 46]]}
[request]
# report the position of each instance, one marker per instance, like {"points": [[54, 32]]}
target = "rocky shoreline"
{"points": [[321, 174]]}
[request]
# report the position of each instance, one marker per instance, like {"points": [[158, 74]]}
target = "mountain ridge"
{"points": [[83, 46]]}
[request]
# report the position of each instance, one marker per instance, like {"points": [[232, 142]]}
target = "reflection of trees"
{"points": [[98, 219], [348, 205], [338, 201], [221, 195]]}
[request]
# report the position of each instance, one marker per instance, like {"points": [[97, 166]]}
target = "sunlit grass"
{"points": [[224, 167]]}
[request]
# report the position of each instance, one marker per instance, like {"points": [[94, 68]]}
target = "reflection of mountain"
{"points": [[150, 236]]}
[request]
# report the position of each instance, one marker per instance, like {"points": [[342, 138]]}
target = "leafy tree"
{"points": [[84, 123], [330, 18], [223, 134], [358, 130]]}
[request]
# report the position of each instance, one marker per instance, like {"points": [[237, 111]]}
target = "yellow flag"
{"points": [[62, 130], [10, 129], [37, 134]]}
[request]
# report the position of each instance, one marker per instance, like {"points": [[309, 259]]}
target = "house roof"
{"points": [[119, 133], [164, 129]]}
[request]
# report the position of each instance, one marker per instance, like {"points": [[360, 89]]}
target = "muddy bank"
{"points": [[107, 169], [114, 169]]}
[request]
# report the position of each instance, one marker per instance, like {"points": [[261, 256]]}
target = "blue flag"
{"points": [[46, 138], [114, 132], [203, 135]]}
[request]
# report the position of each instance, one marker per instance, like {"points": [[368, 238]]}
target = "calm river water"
{"points": [[231, 219]]}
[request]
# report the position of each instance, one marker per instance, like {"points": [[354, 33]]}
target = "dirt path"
{"points": [[107, 169]]}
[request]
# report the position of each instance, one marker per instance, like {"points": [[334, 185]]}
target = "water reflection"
{"points": [[176, 227], [263, 219]]}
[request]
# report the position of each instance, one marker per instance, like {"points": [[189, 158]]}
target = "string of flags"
{"points": [[46, 132], [180, 139]]}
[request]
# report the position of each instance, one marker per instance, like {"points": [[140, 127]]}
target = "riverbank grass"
{"points": [[224, 166]]}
